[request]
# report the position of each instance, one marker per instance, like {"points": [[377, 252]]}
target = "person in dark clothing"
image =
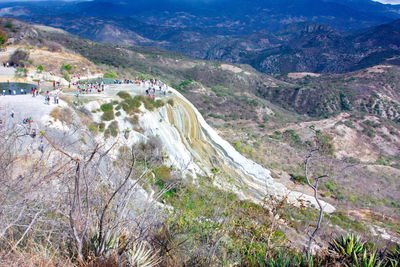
{"points": [[33, 134]]}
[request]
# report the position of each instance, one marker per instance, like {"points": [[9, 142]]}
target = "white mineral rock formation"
{"points": [[195, 148]]}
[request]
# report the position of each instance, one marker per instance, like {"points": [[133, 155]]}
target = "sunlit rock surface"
{"points": [[196, 149]]}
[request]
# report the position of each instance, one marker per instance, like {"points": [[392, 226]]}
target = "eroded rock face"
{"points": [[196, 149]]}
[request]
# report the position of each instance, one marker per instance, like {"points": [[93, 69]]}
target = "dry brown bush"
{"points": [[63, 115], [71, 196], [34, 258], [20, 58], [53, 46]]}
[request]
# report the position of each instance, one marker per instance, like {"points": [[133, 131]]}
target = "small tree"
{"points": [[66, 67], [66, 76], [21, 72], [312, 180], [40, 68]]}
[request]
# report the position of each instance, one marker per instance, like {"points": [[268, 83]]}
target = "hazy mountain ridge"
{"points": [[273, 37], [315, 96]]}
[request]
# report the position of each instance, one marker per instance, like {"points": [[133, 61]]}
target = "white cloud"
{"points": [[391, 2]]}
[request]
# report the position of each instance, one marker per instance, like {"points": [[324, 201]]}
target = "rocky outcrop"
{"points": [[196, 149]]}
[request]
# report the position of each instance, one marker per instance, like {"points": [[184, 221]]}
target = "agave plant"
{"points": [[96, 247], [141, 256], [349, 246], [367, 260], [393, 257]]}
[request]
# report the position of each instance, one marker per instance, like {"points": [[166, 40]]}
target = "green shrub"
{"points": [[106, 107], [237, 145], [110, 75], [170, 102], [349, 124], [66, 67], [298, 178], [66, 76], [151, 104], [285, 259], [292, 137], [326, 194], [124, 95], [102, 126], [220, 91], [330, 187], [342, 220], [162, 179], [21, 72], [108, 116], [383, 161], [369, 132], [131, 105], [158, 103], [215, 170], [134, 120], [325, 143], [144, 77], [163, 172], [345, 104], [183, 86], [372, 124], [242, 148], [40, 68], [3, 38], [112, 129], [96, 127], [93, 127]]}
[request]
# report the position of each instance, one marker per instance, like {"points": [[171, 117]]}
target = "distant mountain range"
{"points": [[273, 36]]}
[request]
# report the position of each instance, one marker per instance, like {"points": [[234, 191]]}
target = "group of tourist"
{"points": [[89, 87], [13, 92], [151, 86], [154, 86], [7, 65], [35, 91], [54, 95]]}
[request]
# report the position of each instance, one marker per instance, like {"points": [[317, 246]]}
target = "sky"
{"points": [[393, 2]]}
